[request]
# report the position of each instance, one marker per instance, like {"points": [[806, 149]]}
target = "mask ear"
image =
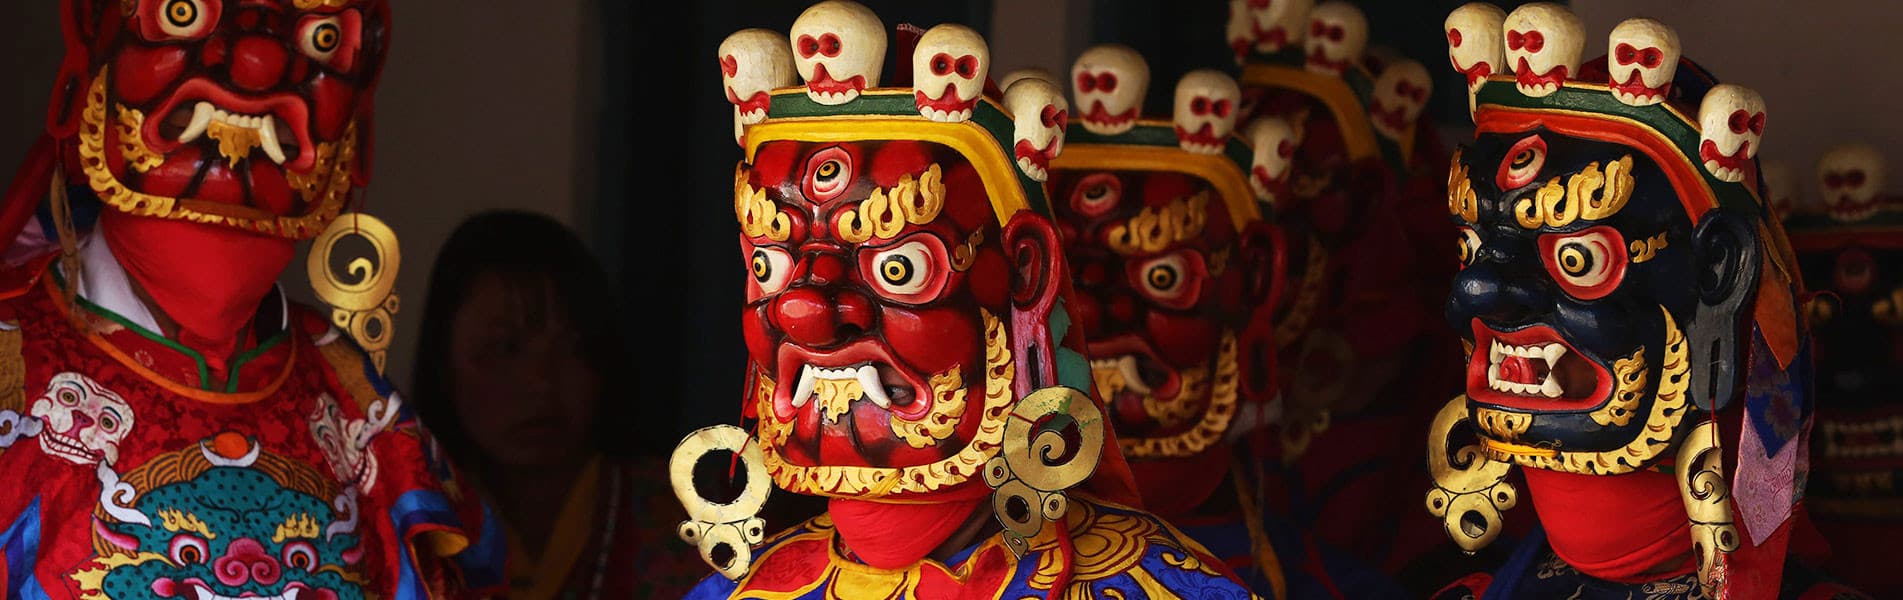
{"points": [[1726, 253], [376, 43], [1038, 276], [1262, 257]]}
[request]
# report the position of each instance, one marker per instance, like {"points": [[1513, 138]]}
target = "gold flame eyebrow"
{"points": [[176, 520]]}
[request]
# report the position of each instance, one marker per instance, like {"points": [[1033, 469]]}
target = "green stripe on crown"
{"points": [[1673, 125], [899, 102]]}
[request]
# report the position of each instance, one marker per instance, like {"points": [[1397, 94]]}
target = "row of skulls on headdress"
{"points": [[1849, 185], [1541, 45], [838, 48], [1333, 38]]}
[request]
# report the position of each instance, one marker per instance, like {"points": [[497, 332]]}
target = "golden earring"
{"points": [[1470, 490], [725, 532], [1039, 461], [1707, 496]]}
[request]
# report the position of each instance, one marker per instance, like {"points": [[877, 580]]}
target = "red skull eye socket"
{"points": [[1535, 41], [1200, 106], [967, 66], [1453, 37], [1854, 178], [1051, 117], [1757, 123], [1221, 108], [829, 45], [1739, 122], [1317, 28], [1626, 54], [1086, 83], [1107, 82], [1651, 58], [1515, 40], [808, 46], [1833, 180], [941, 64], [729, 66], [1335, 33], [1285, 149]]}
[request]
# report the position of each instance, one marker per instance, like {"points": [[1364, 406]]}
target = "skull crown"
{"points": [[1540, 44]]}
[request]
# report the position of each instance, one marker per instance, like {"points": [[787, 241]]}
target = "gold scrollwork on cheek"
{"points": [[758, 216], [1470, 490], [1707, 496], [1461, 201], [967, 253], [884, 214], [948, 406], [1219, 262], [1629, 377], [1156, 227], [1589, 194], [1501, 424], [132, 143], [1648, 248]]}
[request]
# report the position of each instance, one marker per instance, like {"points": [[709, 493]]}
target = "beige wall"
{"points": [[1828, 70]]}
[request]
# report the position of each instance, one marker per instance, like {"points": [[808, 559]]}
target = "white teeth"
{"points": [[203, 594], [291, 594], [268, 138], [1131, 378], [1495, 353], [868, 376], [201, 118], [1552, 353], [1551, 388], [804, 390]]}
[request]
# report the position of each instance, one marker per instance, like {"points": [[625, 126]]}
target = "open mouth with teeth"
{"points": [[196, 589], [1394, 119], [1101, 117], [1544, 83], [859, 406], [753, 108], [946, 106], [1138, 387], [1726, 165], [823, 84], [69, 448], [1203, 138], [276, 126], [1533, 369]]}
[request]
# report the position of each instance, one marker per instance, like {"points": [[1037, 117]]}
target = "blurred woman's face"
{"points": [[525, 392]]}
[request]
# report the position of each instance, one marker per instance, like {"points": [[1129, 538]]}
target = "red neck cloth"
{"points": [[209, 279], [1627, 528], [895, 536]]}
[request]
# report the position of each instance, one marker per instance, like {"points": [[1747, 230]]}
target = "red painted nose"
{"points": [[246, 561], [812, 319], [257, 63]]}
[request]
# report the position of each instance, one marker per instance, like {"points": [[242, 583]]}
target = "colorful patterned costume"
{"points": [[911, 354], [1629, 304], [1362, 355], [170, 425]]}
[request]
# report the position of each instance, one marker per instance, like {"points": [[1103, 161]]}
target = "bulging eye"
{"points": [[301, 556], [1096, 194], [69, 397], [1588, 264], [770, 267], [1469, 245], [828, 174], [188, 549], [186, 19], [1855, 271], [913, 270], [329, 39], [1173, 280], [1523, 163]]}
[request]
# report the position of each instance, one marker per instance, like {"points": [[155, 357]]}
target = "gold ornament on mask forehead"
{"points": [[887, 211], [1156, 227], [759, 217], [1589, 194], [352, 267]]}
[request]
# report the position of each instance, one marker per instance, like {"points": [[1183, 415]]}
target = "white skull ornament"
{"points": [[753, 63], [949, 68], [1206, 107], [839, 48], [1278, 24], [1400, 94], [1730, 124], [1110, 80], [1039, 116], [81, 421], [1642, 60], [1011, 77], [1274, 142], [1474, 44], [1544, 41], [1337, 34], [1848, 179]]}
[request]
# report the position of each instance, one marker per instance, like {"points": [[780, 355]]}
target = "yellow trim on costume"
{"points": [[976, 145], [1518, 449], [565, 542], [1221, 173], [1356, 132]]}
